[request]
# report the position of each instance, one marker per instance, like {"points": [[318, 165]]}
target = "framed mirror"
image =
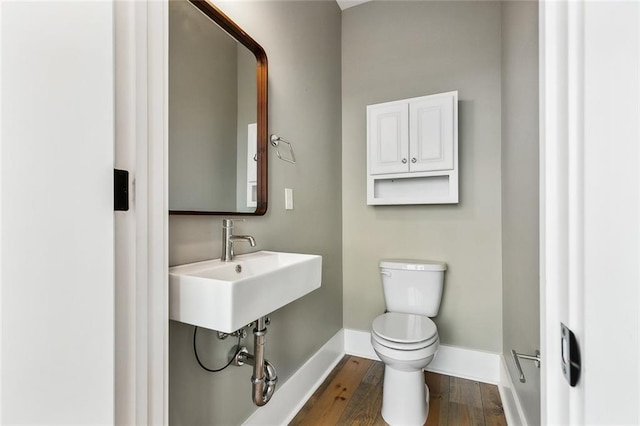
{"points": [[217, 114]]}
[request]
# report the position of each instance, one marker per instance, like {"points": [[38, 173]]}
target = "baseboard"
{"points": [[358, 343], [294, 393], [513, 411], [450, 360]]}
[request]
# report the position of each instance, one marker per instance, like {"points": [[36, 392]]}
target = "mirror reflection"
{"points": [[213, 116]]}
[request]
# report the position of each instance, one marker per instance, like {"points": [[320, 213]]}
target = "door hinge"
{"points": [[120, 190], [570, 356]]}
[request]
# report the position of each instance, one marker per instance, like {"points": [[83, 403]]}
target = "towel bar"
{"points": [[515, 355]]}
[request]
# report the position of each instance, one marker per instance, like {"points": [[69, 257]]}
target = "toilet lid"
{"points": [[413, 264], [404, 328]]}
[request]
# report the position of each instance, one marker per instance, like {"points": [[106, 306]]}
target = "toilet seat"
{"points": [[404, 331]]}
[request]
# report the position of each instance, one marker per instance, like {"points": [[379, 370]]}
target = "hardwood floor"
{"points": [[352, 395]]}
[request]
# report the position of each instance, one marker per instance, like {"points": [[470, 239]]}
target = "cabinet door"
{"points": [[388, 138], [432, 133]]}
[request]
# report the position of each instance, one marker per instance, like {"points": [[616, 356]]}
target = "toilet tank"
{"points": [[412, 286]]}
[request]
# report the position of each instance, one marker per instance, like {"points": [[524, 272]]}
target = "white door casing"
{"points": [[142, 233], [590, 197]]}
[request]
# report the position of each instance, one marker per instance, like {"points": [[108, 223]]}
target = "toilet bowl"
{"points": [[406, 343], [405, 338]]}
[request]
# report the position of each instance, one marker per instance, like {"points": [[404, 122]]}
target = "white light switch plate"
{"points": [[288, 199]]}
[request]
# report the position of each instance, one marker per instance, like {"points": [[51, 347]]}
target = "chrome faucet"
{"points": [[228, 239]]}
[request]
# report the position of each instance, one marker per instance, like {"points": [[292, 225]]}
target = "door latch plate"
{"points": [[570, 356], [120, 190]]}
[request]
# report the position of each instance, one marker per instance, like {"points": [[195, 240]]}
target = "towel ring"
{"points": [[275, 142]]}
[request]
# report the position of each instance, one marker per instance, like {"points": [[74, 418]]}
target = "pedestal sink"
{"points": [[226, 296]]}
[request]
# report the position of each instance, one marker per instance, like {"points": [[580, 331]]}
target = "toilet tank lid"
{"points": [[413, 264]]}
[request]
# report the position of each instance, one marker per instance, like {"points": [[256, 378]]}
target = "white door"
{"points": [[431, 133], [590, 208], [57, 246], [388, 137]]}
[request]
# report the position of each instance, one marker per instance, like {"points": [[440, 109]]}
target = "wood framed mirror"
{"points": [[218, 135]]}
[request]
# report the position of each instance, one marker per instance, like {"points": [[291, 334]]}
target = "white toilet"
{"points": [[405, 338]]}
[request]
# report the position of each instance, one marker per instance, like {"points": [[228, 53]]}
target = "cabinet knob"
{"points": [[404, 161], [413, 160]]}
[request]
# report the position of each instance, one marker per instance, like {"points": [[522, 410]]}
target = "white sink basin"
{"points": [[226, 296]]}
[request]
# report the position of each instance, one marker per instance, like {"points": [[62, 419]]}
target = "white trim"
{"points": [[125, 222], [511, 404], [553, 41], [294, 393], [451, 360], [142, 246], [638, 217], [467, 363], [358, 343], [157, 288], [1, 230]]}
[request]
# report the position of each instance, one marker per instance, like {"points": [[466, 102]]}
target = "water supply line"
{"points": [[264, 378]]}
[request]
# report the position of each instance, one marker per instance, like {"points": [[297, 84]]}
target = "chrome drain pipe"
{"points": [[265, 378]]}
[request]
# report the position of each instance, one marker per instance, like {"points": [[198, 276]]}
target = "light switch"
{"points": [[288, 199]]}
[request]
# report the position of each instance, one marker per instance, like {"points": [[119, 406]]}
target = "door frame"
{"points": [[142, 302], [562, 216], [589, 208], [555, 209]]}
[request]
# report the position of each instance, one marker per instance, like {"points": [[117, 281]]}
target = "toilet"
{"points": [[405, 338]]}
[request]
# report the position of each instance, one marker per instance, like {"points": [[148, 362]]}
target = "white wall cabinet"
{"points": [[412, 151]]}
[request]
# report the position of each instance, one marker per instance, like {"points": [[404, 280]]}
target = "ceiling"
{"points": [[345, 4]]}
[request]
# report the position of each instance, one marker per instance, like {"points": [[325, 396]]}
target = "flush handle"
{"points": [[385, 273]]}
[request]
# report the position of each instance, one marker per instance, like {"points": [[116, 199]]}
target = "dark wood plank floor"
{"points": [[352, 395]]}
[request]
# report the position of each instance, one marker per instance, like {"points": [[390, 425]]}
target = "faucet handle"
{"points": [[228, 223]]}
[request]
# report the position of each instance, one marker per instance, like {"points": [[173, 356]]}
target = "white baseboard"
{"points": [[292, 395], [453, 361], [450, 360], [358, 343], [513, 411]]}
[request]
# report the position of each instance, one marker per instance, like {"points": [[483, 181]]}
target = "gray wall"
{"points": [[396, 50], [520, 245], [302, 42]]}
